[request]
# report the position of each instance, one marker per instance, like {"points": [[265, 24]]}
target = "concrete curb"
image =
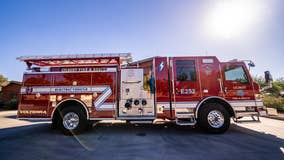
{"points": [[274, 117]]}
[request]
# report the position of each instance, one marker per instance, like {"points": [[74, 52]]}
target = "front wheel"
{"points": [[214, 118], [72, 120]]}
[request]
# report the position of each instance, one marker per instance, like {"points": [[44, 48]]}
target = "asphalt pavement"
{"points": [[119, 141]]}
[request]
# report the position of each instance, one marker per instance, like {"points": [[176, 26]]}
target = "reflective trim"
{"points": [[178, 105], [246, 103], [259, 103], [186, 104], [101, 119], [106, 107], [63, 89], [38, 119], [134, 118], [104, 89], [233, 104], [102, 98], [112, 69]]}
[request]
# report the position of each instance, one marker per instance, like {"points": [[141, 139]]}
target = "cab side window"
{"points": [[236, 73], [185, 70]]}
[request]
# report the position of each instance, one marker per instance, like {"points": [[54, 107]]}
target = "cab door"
{"points": [[237, 82], [185, 79]]}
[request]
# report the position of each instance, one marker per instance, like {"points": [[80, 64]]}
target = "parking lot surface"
{"points": [[108, 140]]}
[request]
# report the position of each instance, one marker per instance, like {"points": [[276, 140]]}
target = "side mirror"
{"points": [[268, 79], [251, 64]]}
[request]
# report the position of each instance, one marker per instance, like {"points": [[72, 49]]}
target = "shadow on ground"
{"points": [[125, 141]]}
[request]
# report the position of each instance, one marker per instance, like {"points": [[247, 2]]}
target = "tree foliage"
{"points": [[277, 85], [3, 80], [259, 80], [274, 102], [272, 97]]}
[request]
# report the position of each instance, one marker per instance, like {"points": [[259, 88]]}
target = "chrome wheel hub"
{"points": [[70, 120], [215, 119]]}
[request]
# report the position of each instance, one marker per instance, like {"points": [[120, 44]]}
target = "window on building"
{"points": [[185, 70], [235, 73]]}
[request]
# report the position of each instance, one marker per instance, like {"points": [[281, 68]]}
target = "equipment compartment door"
{"points": [[134, 100]]}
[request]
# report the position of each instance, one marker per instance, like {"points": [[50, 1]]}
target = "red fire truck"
{"points": [[75, 90]]}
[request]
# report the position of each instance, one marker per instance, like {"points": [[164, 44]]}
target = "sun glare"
{"points": [[231, 18]]}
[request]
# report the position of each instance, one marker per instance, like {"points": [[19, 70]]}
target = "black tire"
{"points": [[204, 123], [54, 125], [90, 125], [55, 121], [83, 122]]}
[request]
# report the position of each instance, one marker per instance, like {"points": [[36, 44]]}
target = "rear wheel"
{"points": [[72, 120], [213, 118]]}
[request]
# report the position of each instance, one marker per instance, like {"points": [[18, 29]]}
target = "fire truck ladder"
{"points": [[77, 59]]}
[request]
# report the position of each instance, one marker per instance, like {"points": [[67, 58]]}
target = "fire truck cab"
{"points": [[75, 90]]}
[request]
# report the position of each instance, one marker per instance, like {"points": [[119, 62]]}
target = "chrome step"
{"points": [[241, 117], [141, 122], [184, 114], [246, 114], [186, 121]]}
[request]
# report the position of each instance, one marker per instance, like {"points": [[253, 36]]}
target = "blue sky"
{"points": [[145, 28]]}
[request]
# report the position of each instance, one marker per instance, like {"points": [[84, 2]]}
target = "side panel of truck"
{"points": [[211, 77], [34, 105], [43, 92], [163, 88]]}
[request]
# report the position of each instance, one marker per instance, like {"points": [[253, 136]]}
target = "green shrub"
{"points": [[274, 102]]}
